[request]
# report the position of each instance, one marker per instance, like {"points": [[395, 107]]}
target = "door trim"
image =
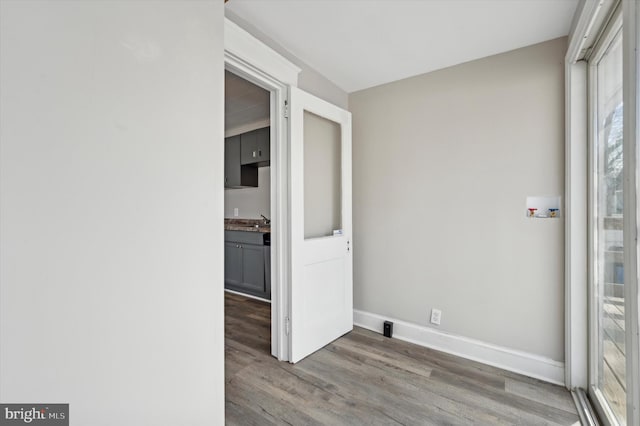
{"points": [[251, 59], [242, 45]]}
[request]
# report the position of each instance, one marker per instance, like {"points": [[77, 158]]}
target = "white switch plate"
{"points": [[436, 315], [235, 212]]}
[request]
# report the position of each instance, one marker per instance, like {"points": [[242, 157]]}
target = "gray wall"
{"points": [[110, 209], [309, 79], [443, 163]]}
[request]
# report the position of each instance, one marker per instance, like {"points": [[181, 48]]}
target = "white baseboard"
{"points": [[520, 362]]}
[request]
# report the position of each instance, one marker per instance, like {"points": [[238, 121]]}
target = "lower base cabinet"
{"points": [[244, 264]]}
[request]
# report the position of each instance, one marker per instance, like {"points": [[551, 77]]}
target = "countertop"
{"points": [[249, 225]]}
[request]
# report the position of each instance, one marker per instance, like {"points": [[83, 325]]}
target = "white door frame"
{"points": [[251, 59]]}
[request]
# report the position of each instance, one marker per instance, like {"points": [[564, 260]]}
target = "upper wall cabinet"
{"points": [[243, 154], [235, 174], [254, 147]]}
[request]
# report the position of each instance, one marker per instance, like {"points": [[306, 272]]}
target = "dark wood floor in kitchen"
{"points": [[364, 378]]}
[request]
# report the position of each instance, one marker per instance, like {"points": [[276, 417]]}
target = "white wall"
{"points": [[443, 163], [250, 202], [111, 202]]}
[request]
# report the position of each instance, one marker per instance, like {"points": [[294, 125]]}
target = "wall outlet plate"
{"points": [[235, 212], [436, 316]]}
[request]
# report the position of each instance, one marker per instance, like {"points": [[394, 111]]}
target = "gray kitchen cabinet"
{"points": [[235, 174], [253, 268], [244, 263], [254, 147], [232, 263]]}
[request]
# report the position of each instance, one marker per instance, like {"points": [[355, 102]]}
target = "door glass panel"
{"points": [[609, 262], [322, 176]]}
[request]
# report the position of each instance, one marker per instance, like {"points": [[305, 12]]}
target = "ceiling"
{"points": [[244, 102], [363, 43]]}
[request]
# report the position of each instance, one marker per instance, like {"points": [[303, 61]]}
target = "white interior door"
{"points": [[321, 249]]}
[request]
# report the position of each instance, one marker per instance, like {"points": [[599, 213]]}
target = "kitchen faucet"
{"points": [[266, 221]]}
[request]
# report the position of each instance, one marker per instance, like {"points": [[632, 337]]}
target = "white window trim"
{"points": [[631, 118], [576, 208], [589, 19]]}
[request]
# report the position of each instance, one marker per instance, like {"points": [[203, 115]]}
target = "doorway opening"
{"points": [[303, 317], [247, 211], [256, 190]]}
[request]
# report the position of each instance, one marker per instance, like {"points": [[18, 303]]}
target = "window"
{"points": [[608, 350]]}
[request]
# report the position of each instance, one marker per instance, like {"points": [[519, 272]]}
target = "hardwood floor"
{"points": [[364, 378]]}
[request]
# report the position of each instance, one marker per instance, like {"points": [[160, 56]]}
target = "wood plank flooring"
{"points": [[364, 378]]}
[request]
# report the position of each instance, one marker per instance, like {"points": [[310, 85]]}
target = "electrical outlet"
{"points": [[235, 212], [436, 316]]}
